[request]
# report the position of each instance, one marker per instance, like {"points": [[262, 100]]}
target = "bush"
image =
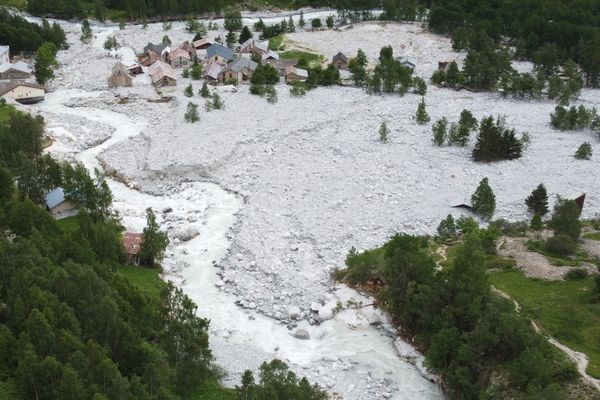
{"points": [[565, 218], [584, 152], [537, 201], [298, 89], [576, 274], [536, 223], [561, 245], [361, 266], [266, 91], [422, 116], [495, 262], [439, 131]]}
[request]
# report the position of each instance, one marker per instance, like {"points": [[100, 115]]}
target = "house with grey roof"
{"points": [[58, 205], [154, 51], [255, 47], [408, 62], [18, 70], [340, 60], [219, 54], [280, 65], [238, 71], [293, 75]]}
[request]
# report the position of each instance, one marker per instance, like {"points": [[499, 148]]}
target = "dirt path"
{"points": [[534, 265], [580, 359]]}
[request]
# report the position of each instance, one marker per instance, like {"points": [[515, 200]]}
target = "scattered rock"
{"points": [[167, 210], [185, 234], [294, 312], [302, 334]]}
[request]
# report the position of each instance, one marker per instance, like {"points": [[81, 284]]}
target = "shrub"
{"points": [[565, 218], [191, 114], [298, 89], [188, 91], [383, 132], [576, 274], [536, 222], [495, 262], [447, 227], [561, 245], [196, 72], [584, 152]]}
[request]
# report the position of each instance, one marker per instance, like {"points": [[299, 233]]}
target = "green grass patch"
{"points": [[592, 236], [147, 279], [563, 308], [69, 224], [276, 42], [312, 58], [18, 4], [212, 390]]}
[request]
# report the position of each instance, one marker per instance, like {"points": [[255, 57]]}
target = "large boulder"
{"points": [[294, 312], [302, 334], [185, 234]]}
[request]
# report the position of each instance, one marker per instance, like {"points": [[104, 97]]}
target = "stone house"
{"points": [[119, 76]]}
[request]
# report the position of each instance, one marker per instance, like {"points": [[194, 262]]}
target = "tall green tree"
{"points": [[45, 62], [422, 117], [537, 201], [565, 218], [483, 200], [154, 241]]}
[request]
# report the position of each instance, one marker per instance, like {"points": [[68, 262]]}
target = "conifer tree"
{"points": [[290, 25], [422, 116], [537, 202], [301, 22], [383, 132], [204, 92], [155, 241], [565, 218], [584, 152], [447, 227], [484, 200], [191, 114], [439, 131], [230, 39], [496, 142], [459, 134], [166, 40], [188, 91], [245, 34]]}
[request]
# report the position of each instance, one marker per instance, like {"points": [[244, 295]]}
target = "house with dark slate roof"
{"points": [[340, 60], [58, 205], [240, 70], [219, 54]]}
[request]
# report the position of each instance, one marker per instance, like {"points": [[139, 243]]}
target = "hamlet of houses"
{"points": [[16, 80], [220, 64]]}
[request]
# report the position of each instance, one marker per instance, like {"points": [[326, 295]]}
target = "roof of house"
{"points": [[180, 52], [119, 69], [4, 49], [239, 64], [217, 50], [186, 46], [212, 70], [157, 48], [270, 54], [55, 197], [297, 71], [340, 56], [132, 242], [6, 87], [202, 42], [263, 46], [408, 61], [18, 66], [160, 69]]}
